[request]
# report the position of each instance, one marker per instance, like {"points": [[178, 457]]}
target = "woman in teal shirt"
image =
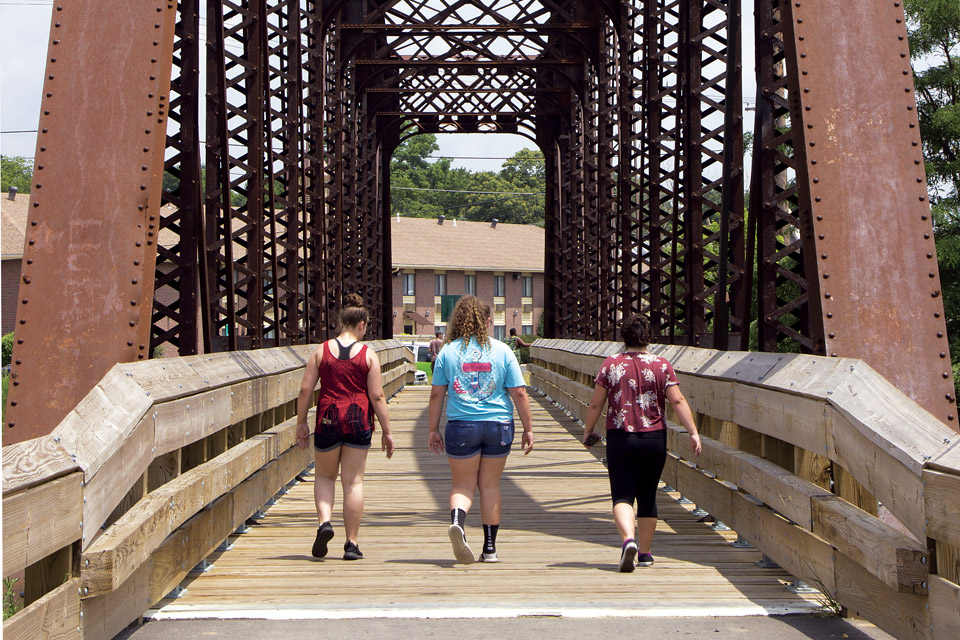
{"points": [[484, 381]]}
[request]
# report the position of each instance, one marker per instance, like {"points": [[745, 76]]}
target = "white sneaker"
{"points": [[488, 557], [459, 540]]}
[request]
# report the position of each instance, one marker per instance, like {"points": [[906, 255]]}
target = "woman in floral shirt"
{"points": [[637, 384]]}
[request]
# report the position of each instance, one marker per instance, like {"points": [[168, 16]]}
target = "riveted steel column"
{"points": [[864, 192], [88, 264]]}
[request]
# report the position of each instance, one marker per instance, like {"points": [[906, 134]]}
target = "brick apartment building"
{"points": [[13, 218], [502, 264]]}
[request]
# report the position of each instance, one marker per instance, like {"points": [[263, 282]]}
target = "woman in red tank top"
{"points": [[350, 388]]}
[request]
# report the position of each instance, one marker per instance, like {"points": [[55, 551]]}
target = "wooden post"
{"points": [[163, 469]]}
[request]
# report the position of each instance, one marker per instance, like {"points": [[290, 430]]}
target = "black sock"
{"points": [[459, 517], [490, 538]]}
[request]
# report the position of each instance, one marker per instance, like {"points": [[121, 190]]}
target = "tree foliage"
{"points": [[16, 171], [425, 188], [934, 30]]}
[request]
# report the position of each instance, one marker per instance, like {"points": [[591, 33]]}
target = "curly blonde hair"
{"points": [[469, 319]]}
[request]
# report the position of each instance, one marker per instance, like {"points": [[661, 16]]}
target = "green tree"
{"points": [[934, 30], [16, 171]]}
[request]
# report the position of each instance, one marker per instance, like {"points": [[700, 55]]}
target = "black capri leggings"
{"points": [[634, 464]]}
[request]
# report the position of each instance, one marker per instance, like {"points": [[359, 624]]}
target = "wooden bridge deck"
{"points": [[557, 544]]}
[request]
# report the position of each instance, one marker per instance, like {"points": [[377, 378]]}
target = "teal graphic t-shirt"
{"points": [[477, 379]]}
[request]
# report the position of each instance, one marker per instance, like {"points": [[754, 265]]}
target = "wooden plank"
{"points": [[94, 430], [795, 419], [812, 467], [944, 609], [897, 560], [903, 615], [103, 617], [890, 420], [948, 561], [120, 551], [895, 485], [55, 615], [165, 378], [32, 462], [941, 497], [189, 419], [106, 488], [133, 496], [41, 520], [708, 493]]}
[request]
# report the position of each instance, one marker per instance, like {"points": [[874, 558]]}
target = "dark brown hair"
{"points": [[636, 331], [353, 312], [469, 319]]}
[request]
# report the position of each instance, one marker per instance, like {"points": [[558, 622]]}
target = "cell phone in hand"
{"points": [[592, 439]]}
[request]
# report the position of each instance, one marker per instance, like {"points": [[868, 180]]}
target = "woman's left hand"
{"points": [[527, 442], [386, 444]]}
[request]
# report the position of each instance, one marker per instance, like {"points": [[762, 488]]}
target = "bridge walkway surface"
{"points": [[558, 547]]}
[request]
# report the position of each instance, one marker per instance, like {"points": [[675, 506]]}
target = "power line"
{"points": [[490, 193]]}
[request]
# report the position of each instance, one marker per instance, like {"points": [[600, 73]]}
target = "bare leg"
{"points": [[489, 484], [626, 519], [645, 529], [324, 480], [353, 462], [464, 473]]}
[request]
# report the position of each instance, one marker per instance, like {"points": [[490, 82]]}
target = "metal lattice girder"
{"points": [[88, 264], [869, 237]]}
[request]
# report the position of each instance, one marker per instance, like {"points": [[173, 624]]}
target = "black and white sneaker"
{"points": [[351, 551], [645, 560], [459, 540], [489, 557], [627, 556], [324, 535]]}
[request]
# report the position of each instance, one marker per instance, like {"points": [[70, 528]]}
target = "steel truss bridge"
{"points": [[277, 120]]}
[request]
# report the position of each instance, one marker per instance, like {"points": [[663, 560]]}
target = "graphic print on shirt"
{"points": [[473, 378]]}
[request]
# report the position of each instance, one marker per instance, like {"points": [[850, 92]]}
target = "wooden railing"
{"points": [[800, 456], [157, 466]]}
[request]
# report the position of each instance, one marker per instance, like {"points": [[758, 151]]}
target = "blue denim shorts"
{"points": [[467, 438]]}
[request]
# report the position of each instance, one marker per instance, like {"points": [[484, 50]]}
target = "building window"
{"points": [[409, 284], [526, 286], [498, 287], [499, 331], [440, 284], [527, 329], [470, 284]]}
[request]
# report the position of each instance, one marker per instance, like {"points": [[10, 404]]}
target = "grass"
{"points": [[425, 367], [11, 603]]}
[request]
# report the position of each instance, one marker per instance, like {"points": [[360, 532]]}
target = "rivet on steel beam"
{"points": [[833, 355], [899, 37], [926, 236], [923, 217], [823, 256], [137, 243], [49, 95], [807, 108], [155, 43], [812, 161], [132, 323], [820, 236], [26, 280], [936, 314], [826, 295], [153, 77], [56, 42], [806, 90], [826, 275], [134, 281], [949, 417], [800, 38], [129, 343], [817, 199], [136, 263], [922, 198]]}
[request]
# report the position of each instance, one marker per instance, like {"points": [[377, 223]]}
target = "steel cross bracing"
{"points": [[279, 204]]}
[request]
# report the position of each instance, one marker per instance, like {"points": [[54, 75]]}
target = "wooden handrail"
{"points": [[149, 473], [838, 409]]}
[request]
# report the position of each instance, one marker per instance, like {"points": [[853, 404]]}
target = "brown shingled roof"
{"points": [[422, 243], [13, 224]]}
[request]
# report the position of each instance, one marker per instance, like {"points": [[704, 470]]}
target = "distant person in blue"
{"points": [[482, 376]]}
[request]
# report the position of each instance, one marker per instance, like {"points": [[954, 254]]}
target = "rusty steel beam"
{"points": [[88, 263], [872, 249]]}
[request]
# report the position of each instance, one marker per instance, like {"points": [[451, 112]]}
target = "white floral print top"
{"points": [[636, 385]]}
